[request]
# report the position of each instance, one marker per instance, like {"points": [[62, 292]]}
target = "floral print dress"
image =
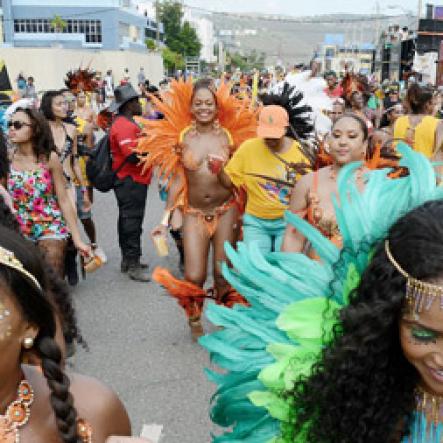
{"points": [[35, 203]]}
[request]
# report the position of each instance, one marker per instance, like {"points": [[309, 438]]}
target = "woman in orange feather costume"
{"points": [[201, 129]]}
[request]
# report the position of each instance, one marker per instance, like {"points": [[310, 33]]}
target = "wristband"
{"points": [[83, 189]]}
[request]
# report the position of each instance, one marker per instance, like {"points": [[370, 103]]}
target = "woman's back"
{"points": [[420, 134]]}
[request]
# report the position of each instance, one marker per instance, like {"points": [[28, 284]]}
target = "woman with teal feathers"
{"points": [[348, 349]]}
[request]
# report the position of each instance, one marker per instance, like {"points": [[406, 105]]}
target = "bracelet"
{"points": [[83, 189], [166, 217]]}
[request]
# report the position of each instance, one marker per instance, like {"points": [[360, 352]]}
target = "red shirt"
{"points": [[335, 93], [123, 137]]}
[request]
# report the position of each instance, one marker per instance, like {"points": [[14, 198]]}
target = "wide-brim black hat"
{"points": [[122, 94]]}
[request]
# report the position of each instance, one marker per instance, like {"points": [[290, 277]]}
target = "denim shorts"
{"points": [[82, 215], [267, 234]]}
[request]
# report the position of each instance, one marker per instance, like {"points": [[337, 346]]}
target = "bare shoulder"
{"points": [[100, 406], [70, 129], [306, 180], [54, 160]]}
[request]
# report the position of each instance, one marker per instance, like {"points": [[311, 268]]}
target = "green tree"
{"points": [[236, 60], [190, 44], [170, 13], [58, 24], [256, 60], [150, 44], [172, 60], [180, 37]]}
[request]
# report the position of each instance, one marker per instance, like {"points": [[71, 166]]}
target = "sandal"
{"points": [[196, 329]]}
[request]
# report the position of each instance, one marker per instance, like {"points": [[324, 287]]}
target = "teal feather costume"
{"points": [[294, 302]]}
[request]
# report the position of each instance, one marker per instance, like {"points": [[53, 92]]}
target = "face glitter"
{"points": [[5, 327]]}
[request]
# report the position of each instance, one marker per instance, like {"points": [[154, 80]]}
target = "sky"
{"points": [[313, 7]]}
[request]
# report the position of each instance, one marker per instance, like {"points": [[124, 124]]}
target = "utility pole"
{"points": [[377, 23], [221, 56], [420, 8], [157, 19]]}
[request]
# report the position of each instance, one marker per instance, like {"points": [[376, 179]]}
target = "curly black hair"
{"points": [[362, 388]]}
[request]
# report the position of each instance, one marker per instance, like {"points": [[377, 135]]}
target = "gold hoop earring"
{"points": [[28, 342]]}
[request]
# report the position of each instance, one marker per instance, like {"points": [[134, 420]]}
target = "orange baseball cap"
{"points": [[272, 122]]}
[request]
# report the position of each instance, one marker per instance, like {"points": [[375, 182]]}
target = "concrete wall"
{"points": [[49, 65]]}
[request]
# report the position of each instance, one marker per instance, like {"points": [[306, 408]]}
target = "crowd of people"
{"points": [[321, 207]]}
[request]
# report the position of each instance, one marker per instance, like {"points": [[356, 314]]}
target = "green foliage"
{"points": [[248, 62], [150, 44], [172, 60], [190, 44], [179, 38], [58, 24]]}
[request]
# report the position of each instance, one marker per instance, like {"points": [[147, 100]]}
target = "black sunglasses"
{"points": [[17, 125]]}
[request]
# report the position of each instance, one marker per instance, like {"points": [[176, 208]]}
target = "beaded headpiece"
{"points": [[8, 259], [419, 295]]}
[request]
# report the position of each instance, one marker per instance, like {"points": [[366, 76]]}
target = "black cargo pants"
{"points": [[131, 199]]}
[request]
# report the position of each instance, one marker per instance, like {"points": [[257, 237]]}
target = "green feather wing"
{"points": [[294, 302]]}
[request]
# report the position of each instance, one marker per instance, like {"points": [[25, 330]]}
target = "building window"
{"points": [[91, 28]]}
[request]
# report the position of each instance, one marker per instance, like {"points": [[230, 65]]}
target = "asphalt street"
{"points": [[138, 337]]}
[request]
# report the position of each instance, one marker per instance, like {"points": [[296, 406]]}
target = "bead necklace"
{"points": [[333, 173], [17, 414]]}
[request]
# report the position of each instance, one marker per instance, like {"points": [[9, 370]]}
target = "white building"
{"points": [[202, 24], [205, 31]]}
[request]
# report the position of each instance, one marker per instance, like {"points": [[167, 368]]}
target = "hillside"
{"points": [[293, 40]]}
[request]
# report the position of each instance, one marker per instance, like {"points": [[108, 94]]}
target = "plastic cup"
{"points": [[93, 264], [215, 163], [161, 245]]}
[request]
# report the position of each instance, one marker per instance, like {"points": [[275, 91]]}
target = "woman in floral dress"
{"points": [[36, 183]]}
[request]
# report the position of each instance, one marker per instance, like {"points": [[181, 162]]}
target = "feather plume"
{"points": [[289, 321]]}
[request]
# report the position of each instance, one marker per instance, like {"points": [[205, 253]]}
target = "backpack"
{"points": [[99, 166]]}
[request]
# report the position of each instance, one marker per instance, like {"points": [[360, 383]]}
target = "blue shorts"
{"points": [[82, 215], [268, 234]]}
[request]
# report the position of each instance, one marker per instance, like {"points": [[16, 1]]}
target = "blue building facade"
{"points": [[87, 24]]}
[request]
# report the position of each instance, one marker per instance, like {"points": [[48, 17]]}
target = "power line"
{"points": [[264, 17], [307, 19]]}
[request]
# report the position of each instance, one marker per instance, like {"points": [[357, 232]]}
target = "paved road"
{"points": [[139, 340]]}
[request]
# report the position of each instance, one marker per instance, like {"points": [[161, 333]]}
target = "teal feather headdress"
{"points": [[294, 301]]}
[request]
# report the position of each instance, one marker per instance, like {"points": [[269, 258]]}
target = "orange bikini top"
{"points": [[189, 160]]}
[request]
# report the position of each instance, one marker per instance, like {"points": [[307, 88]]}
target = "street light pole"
{"points": [[157, 19]]}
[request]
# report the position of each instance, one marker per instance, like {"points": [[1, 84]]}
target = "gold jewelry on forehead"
{"points": [[419, 294], [8, 259]]}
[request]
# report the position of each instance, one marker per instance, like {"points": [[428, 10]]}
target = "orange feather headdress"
{"points": [[161, 138], [82, 79]]}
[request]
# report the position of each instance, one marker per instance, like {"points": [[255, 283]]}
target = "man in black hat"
{"points": [[131, 188]]}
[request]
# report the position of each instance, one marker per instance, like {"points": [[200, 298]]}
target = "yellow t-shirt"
{"points": [[424, 133], [255, 168]]}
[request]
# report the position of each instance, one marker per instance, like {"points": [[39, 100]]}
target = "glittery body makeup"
{"points": [[5, 324]]}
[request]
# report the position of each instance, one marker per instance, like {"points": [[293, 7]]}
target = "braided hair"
{"points": [[38, 310], [57, 290]]}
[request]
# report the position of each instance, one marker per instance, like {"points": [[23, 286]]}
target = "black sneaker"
{"points": [[124, 266], [137, 273]]}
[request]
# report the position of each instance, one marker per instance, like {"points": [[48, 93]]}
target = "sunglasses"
{"points": [[17, 125]]}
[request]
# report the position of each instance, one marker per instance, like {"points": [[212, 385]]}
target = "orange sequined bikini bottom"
{"points": [[209, 221]]}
